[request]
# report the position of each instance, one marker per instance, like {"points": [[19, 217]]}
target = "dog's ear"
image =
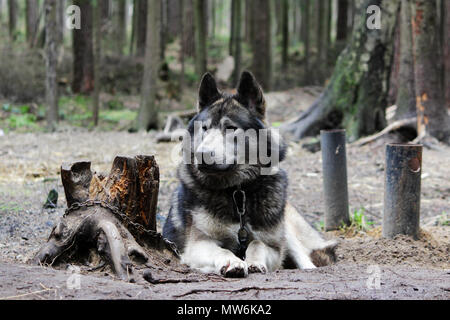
{"points": [[207, 93], [250, 94]]}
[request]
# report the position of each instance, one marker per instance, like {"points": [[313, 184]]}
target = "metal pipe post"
{"points": [[402, 190], [334, 164]]}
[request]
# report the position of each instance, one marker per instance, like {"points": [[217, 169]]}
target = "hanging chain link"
{"points": [[124, 219]]}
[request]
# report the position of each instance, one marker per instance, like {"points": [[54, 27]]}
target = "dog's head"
{"points": [[229, 142]]}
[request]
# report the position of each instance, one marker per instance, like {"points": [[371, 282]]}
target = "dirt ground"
{"points": [[409, 269]]}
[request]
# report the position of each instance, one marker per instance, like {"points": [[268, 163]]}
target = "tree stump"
{"points": [[110, 219]]}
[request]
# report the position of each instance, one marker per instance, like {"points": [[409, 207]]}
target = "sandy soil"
{"points": [[29, 169], [332, 282]]}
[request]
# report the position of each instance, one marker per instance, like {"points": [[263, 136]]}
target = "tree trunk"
{"points": [[163, 30], [61, 12], [446, 50], [342, 20], [12, 13], [105, 6], [148, 110], [261, 43], [285, 34], [31, 20], [406, 102], [133, 27], [121, 25], [320, 7], [305, 14], [189, 28], [392, 96], [141, 27], [182, 42], [51, 61], [432, 117], [213, 19], [200, 37], [327, 36], [355, 97], [97, 59], [237, 39], [83, 62], [232, 28], [173, 18]]}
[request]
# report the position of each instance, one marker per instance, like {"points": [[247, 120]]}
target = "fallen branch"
{"points": [[195, 291], [393, 126]]}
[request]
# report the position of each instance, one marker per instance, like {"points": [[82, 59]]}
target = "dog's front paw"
{"points": [[256, 268], [235, 269]]}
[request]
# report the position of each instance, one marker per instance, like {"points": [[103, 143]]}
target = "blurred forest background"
{"points": [[133, 62]]}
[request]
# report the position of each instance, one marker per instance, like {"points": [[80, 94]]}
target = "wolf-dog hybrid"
{"points": [[229, 216]]}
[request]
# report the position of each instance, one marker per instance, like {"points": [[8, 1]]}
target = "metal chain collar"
{"points": [[243, 233], [125, 219]]}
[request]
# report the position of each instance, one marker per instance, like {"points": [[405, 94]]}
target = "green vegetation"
{"points": [[443, 220], [358, 222]]}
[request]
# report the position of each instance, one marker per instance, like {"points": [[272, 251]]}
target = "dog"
{"points": [[230, 217]]}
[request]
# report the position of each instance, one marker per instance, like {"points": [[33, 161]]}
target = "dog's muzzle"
{"points": [[215, 168]]}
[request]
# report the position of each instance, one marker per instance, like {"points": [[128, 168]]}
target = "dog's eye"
{"points": [[205, 127]]}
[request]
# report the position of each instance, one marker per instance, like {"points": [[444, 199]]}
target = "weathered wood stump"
{"points": [[110, 219]]}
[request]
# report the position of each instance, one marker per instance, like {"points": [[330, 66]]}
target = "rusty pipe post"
{"points": [[402, 190], [334, 164]]}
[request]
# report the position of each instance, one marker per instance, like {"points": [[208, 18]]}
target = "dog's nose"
{"points": [[215, 168]]}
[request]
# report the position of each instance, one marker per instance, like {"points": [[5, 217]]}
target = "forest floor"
{"points": [[408, 269]]}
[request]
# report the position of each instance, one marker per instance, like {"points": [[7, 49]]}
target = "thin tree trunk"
{"points": [[189, 28], [285, 34], [432, 117], [61, 11], [148, 110], [134, 20], [261, 43], [446, 50], [342, 20], [406, 102], [121, 26], [213, 19], [320, 7], [83, 62], [97, 59], [200, 37], [232, 28], [173, 18], [305, 14], [141, 27], [182, 42], [238, 40], [51, 61], [12, 13], [31, 20], [327, 36], [1, 12]]}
